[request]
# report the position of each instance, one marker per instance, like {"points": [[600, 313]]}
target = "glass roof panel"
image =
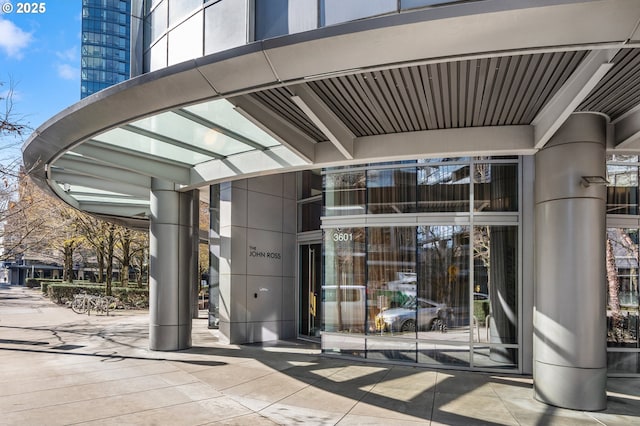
{"points": [[140, 143], [221, 112], [84, 193], [182, 129]]}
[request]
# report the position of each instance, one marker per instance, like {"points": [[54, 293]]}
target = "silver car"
{"points": [[404, 317]]}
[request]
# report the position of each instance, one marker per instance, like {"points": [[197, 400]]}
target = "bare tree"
{"points": [[11, 124]]}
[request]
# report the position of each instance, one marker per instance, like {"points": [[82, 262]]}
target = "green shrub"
{"points": [[62, 292], [481, 310], [44, 285], [32, 282], [133, 297], [129, 297]]}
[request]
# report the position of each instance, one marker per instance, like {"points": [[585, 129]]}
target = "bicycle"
{"points": [[84, 303]]}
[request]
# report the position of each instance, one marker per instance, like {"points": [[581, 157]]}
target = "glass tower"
{"points": [[106, 35]]}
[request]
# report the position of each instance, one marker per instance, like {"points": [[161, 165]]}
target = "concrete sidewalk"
{"points": [[58, 367]]}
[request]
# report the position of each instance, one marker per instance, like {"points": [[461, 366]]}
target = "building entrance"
{"points": [[310, 320]]}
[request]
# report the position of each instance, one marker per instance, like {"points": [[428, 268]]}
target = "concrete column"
{"points": [[570, 368], [173, 265]]}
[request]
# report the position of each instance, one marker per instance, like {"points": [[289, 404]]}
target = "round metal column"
{"points": [[570, 366], [171, 267]]}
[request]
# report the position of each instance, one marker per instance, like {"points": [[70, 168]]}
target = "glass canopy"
{"points": [[191, 146]]}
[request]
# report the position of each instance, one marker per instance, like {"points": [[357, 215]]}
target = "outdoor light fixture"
{"points": [[587, 181]]}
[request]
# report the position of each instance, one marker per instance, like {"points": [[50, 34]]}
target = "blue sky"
{"points": [[40, 53]]}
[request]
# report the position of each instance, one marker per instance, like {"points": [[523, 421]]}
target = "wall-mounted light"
{"points": [[587, 181], [66, 187]]}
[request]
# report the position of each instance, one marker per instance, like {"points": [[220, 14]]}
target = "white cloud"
{"points": [[68, 72], [71, 54], [13, 39]]}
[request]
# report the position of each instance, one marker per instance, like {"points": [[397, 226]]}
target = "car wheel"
{"points": [[408, 325]]}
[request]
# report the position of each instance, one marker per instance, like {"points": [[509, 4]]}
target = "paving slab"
{"points": [[61, 368]]}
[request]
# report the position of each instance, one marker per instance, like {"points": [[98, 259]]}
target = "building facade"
{"points": [[442, 183], [106, 44]]}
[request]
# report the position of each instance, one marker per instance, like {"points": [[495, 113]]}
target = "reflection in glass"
{"points": [[420, 304], [392, 349], [310, 184], [623, 306], [622, 158], [443, 354], [483, 357], [309, 215], [443, 188], [344, 344], [344, 193], [391, 280], [495, 305], [180, 9], [411, 4], [391, 190], [495, 187], [158, 21], [622, 192], [337, 11], [443, 281], [343, 291], [623, 362]]}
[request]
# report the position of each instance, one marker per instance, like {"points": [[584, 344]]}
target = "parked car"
{"points": [[404, 318], [480, 296]]}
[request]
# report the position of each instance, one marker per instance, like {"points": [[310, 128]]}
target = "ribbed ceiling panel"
{"points": [[498, 91], [481, 92], [619, 90], [279, 101]]}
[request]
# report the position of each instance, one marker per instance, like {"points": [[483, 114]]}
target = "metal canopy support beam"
{"points": [[86, 166], [76, 179], [114, 209], [627, 130], [218, 128], [325, 119], [495, 140], [180, 144], [138, 163], [571, 94], [294, 139]]}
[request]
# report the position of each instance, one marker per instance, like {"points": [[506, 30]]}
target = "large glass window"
{"points": [[279, 17], [441, 293], [495, 187], [412, 4], [623, 307], [180, 9], [622, 191], [337, 11], [391, 190], [309, 200], [344, 193], [443, 188], [391, 279], [344, 295]]}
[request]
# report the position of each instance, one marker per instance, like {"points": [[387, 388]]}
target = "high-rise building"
{"points": [[106, 40]]}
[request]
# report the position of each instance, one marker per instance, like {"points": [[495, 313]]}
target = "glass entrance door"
{"points": [[310, 310]]}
